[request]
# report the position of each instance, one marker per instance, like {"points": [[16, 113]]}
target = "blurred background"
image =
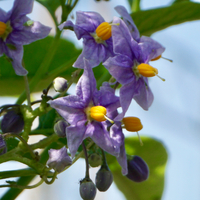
{"points": [[173, 118]]}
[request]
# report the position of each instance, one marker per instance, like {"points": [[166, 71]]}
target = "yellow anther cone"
{"points": [[104, 31], [147, 70], [98, 113], [2, 28], [132, 124]]}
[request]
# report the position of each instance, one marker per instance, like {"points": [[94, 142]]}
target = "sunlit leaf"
{"points": [[155, 155]]}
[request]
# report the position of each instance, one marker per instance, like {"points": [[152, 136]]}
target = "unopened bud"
{"points": [[95, 160], [104, 179], [60, 84], [87, 189], [138, 170], [12, 122], [60, 128]]}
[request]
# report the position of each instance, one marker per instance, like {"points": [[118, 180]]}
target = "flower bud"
{"points": [[95, 160], [3, 148], [104, 178], [138, 170], [60, 84], [60, 128], [87, 189], [58, 159], [12, 122]]}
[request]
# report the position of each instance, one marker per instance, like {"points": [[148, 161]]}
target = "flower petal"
{"points": [[120, 67], [75, 136], [151, 49], [86, 85], [145, 96], [123, 43], [129, 22]]}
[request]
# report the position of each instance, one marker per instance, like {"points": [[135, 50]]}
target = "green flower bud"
{"points": [[104, 178], [60, 84], [95, 160], [87, 189], [60, 128]]}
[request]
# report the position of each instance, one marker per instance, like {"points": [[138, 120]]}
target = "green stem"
{"points": [[45, 142], [135, 6], [45, 132], [23, 141], [20, 173], [43, 67], [27, 91], [87, 175], [22, 186]]}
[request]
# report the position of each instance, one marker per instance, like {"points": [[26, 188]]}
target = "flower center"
{"points": [[104, 31], [146, 70], [2, 28], [98, 113], [132, 124], [5, 30]]}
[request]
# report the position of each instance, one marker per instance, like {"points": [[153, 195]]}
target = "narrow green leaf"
{"points": [[151, 21], [155, 155]]}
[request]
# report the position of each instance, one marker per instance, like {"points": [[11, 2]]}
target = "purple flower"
{"points": [[76, 110], [151, 48], [58, 159], [124, 67], [95, 49], [16, 30]]}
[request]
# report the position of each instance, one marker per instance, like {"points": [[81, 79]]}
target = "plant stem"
{"points": [[43, 67], [22, 186], [86, 161], [135, 6], [27, 91]]}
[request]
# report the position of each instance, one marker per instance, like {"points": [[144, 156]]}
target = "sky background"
{"points": [[173, 118]]}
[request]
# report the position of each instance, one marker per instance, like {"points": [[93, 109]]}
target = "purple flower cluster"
{"points": [[16, 30], [93, 113]]}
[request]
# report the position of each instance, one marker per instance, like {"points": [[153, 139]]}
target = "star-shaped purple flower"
{"points": [[95, 49], [123, 66], [16, 30], [59, 159], [75, 109]]}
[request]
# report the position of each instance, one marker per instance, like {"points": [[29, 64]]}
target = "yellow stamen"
{"points": [[147, 70], [132, 124], [104, 31], [98, 113], [158, 57], [2, 28]]}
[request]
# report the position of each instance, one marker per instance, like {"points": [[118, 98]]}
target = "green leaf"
{"points": [[11, 84], [47, 120], [155, 155], [51, 6], [151, 21]]}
